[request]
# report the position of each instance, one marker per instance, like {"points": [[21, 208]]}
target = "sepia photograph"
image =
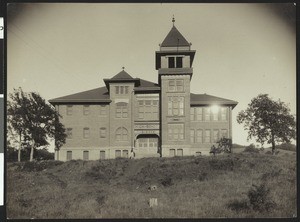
{"points": [[151, 110]]}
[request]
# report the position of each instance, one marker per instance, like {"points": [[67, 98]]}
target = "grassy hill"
{"points": [[236, 185]]}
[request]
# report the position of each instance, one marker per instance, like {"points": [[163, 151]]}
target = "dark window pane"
{"points": [[171, 62], [179, 62]]}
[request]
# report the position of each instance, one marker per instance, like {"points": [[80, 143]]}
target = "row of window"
{"points": [[175, 105], [173, 152], [86, 110], [176, 85], [208, 114], [121, 133], [118, 153], [147, 142], [209, 136], [122, 89], [148, 109]]}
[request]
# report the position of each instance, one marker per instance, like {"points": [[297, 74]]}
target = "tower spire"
{"points": [[173, 20]]}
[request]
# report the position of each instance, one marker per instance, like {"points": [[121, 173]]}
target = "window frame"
{"points": [[69, 110], [86, 110], [121, 134], [86, 133], [103, 132]]}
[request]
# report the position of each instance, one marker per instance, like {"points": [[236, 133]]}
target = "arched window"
{"points": [[121, 134]]}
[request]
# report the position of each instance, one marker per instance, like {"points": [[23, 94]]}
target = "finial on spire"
{"points": [[173, 20], [123, 67]]}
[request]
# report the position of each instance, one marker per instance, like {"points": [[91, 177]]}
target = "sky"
{"points": [[242, 50]]}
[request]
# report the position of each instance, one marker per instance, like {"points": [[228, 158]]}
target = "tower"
{"points": [[174, 64]]}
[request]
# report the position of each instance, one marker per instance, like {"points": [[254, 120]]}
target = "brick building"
{"points": [[155, 119]]}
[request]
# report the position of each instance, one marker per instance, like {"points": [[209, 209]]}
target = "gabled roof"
{"points": [[91, 96], [174, 38], [122, 75], [205, 99]]}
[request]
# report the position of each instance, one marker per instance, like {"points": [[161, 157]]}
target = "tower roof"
{"points": [[174, 38], [122, 75]]}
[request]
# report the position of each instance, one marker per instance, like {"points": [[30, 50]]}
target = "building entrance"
{"points": [[147, 145]]}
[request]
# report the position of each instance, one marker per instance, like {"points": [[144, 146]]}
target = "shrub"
{"points": [[202, 176], [251, 149], [40, 165], [221, 164], [239, 205], [167, 181], [259, 198]]}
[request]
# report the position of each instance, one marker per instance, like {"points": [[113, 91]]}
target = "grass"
{"points": [[226, 186]]}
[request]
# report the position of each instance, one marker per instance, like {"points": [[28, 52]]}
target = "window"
{"points": [[102, 132], [126, 89], [125, 153], [85, 155], [171, 62], [69, 155], [192, 136], [86, 110], [216, 114], [175, 85], [199, 113], [176, 106], [118, 153], [69, 133], [148, 109], [102, 110], [175, 62], [224, 133], [192, 114], [198, 153], [178, 62], [69, 110], [102, 154], [122, 89], [216, 135], [207, 114], [172, 152], [121, 110], [199, 135], [121, 134], [175, 132], [223, 113], [207, 136], [86, 133], [179, 152]]}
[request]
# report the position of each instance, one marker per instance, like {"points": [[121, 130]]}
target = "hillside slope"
{"points": [[187, 187]]}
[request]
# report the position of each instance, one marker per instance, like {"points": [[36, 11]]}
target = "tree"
{"points": [[268, 120], [34, 120]]}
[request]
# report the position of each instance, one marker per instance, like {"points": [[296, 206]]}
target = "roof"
{"points": [[174, 38], [122, 75], [205, 99], [90, 96], [147, 86]]}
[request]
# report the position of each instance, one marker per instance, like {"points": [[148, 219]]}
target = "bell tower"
{"points": [[174, 64]]}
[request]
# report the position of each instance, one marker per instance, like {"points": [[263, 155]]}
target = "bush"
{"points": [[251, 149], [221, 164], [40, 165], [167, 181], [259, 198], [239, 205]]}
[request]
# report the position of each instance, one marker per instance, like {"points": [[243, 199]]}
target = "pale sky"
{"points": [[242, 50]]}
